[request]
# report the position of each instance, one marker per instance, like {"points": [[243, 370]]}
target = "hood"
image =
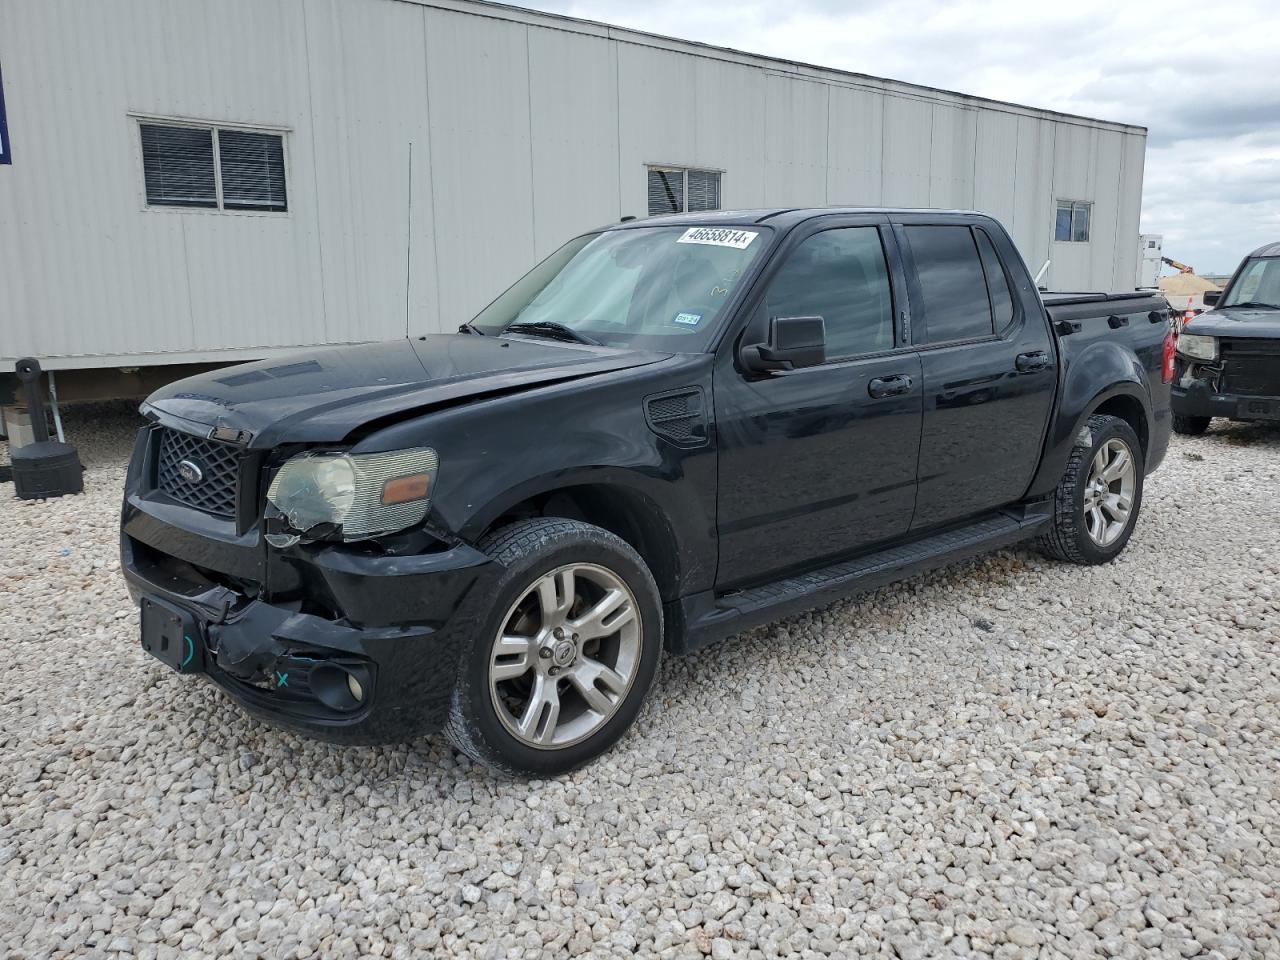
{"points": [[320, 396], [1233, 322]]}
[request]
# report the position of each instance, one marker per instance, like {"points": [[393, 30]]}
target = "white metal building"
{"points": [[211, 180]]}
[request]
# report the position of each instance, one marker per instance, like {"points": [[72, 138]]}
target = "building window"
{"points": [[682, 190], [212, 167], [1072, 225]]}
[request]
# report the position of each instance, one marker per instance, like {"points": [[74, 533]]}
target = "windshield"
{"points": [[650, 287], [1257, 284]]}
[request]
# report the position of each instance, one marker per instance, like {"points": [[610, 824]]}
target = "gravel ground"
{"points": [[1010, 757]]}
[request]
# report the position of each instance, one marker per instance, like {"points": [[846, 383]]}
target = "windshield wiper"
{"points": [[553, 330], [1254, 304], [470, 327]]}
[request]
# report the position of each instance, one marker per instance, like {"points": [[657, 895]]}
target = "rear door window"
{"points": [[841, 276], [952, 283]]}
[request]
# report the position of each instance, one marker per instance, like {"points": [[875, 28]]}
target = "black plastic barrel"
{"points": [[46, 468]]}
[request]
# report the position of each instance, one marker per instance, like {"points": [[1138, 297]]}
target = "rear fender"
{"points": [[1100, 372]]}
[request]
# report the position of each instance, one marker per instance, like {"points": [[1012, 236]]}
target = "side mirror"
{"points": [[1211, 297], [793, 342]]}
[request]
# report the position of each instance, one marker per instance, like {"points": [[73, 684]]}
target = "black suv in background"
{"points": [[1229, 358], [667, 432]]}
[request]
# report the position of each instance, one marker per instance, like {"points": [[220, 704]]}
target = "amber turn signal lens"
{"points": [[406, 489]]}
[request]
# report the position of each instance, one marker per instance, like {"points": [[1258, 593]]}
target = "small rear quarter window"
{"points": [[997, 281]]}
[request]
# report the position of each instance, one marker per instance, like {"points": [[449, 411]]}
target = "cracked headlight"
{"points": [[1198, 347], [354, 496]]}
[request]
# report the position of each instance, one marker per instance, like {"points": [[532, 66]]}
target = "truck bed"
{"points": [[1062, 297], [1080, 306]]}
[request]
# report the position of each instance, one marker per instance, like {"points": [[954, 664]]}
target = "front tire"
{"points": [[561, 665], [1097, 501], [1190, 426]]}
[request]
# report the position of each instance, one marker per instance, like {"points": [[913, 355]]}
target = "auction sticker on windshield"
{"points": [[719, 237]]}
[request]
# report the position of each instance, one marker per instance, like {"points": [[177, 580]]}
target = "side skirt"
{"points": [[709, 616]]}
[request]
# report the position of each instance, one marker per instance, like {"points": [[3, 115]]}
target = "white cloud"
{"points": [[1201, 79]]}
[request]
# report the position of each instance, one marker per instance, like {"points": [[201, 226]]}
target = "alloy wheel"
{"points": [[1108, 494], [565, 656]]}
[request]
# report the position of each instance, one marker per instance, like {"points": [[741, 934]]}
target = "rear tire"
{"points": [[561, 665], [1098, 499], [1190, 426]]}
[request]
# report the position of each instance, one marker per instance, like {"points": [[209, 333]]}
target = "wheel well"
{"points": [[1128, 409], [626, 514]]}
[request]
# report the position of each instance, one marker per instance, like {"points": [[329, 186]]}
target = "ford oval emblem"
{"points": [[190, 471]]}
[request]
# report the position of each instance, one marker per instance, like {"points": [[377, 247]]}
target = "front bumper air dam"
{"points": [[290, 669], [1197, 399]]}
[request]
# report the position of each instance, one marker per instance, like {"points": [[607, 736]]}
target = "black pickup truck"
{"points": [[667, 432], [1229, 358]]}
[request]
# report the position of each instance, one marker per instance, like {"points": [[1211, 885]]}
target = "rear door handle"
{"points": [[891, 386], [1030, 362]]}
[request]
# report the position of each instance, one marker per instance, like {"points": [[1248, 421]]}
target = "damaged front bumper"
{"points": [[1241, 383], [375, 662], [1194, 397]]}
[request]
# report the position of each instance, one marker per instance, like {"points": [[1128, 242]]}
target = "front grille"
{"points": [[213, 490], [1251, 367]]}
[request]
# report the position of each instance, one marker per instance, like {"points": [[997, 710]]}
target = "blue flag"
{"points": [[6, 154]]}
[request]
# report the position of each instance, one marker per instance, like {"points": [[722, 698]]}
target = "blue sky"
{"points": [[1204, 79]]}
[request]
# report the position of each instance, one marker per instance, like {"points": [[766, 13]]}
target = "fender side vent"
{"points": [[679, 416]]}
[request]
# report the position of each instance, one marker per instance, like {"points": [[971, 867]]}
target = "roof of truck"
{"points": [[782, 216], [1267, 250]]}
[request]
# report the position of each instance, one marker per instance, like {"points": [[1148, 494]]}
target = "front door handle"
{"points": [[1030, 362], [891, 386]]}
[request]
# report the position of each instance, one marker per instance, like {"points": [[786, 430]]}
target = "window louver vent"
{"points": [[666, 192], [177, 164], [678, 416], [179, 168], [682, 190], [252, 170], [704, 190]]}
